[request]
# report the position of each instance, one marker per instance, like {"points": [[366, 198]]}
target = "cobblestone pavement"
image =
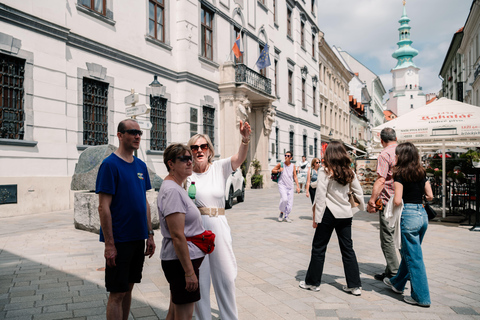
{"points": [[49, 270]]}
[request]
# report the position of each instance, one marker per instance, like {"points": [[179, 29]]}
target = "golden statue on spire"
{"points": [[404, 2]]}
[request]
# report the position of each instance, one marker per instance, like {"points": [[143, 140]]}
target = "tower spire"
{"points": [[405, 53]]}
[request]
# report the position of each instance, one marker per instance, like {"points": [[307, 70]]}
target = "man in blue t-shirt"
{"points": [[125, 221]]}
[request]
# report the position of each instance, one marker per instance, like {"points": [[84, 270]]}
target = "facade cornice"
{"points": [[293, 119]]}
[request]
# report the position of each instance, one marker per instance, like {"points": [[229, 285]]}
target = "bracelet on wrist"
{"points": [[189, 275], [245, 142]]}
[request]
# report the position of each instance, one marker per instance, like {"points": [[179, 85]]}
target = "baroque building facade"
{"points": [[68, 66], [334, 96]]}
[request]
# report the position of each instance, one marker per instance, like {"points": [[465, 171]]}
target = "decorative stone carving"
{"points": [[243, 110], [268, 119]]}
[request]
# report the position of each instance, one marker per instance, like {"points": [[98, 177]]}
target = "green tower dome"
{"points": [[405, 53]]}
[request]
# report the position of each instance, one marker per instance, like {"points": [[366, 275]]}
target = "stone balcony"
{"points": [[240, 78]]}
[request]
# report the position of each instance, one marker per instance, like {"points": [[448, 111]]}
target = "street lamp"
{"points": [[157, 89], [330, 134]]}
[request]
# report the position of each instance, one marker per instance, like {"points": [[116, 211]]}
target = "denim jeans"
{"points": [[323, 232], [414, 223]]}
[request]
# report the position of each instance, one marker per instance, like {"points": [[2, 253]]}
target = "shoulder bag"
{"points": [[313, 184], [276, 176], [432, 214], [354, 202], [205, 241]]}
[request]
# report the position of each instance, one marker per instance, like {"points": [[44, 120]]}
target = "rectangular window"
{"points": [[411, 96], [289, 22], [302, 34], [313, 7], [237, 32], [95, 112], [277, 141], [315, 148], [313, 45], [193, 121], [304, 145], [314, 100], [304, 106], [99, 6], [275, 63], [207, 33], [158, 118], [275, 11], [290, 86], [411, 106], [12, 114], [209, 122], [156, 19], [291, 141]]}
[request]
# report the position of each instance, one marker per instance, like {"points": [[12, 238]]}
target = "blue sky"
{"points": [[368, 30]]}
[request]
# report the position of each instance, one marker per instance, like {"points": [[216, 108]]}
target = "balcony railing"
{"points": [[252, 78]]}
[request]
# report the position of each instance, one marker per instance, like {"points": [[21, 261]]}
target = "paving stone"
{"points": [[54, 316]]}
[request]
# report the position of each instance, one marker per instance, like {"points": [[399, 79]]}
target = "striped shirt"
{"points": [[385, 164]]}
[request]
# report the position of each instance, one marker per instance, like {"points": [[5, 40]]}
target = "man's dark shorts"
{"points": [[129, 266]]}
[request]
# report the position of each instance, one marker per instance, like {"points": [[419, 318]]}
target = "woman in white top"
{"points": [[302, 170], [312, 176], [332, 211], [219, 267]]}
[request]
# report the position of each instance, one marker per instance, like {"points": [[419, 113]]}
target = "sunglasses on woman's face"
{"points": [[287, 156], [185, 159], [196, 148], [318, 162]]}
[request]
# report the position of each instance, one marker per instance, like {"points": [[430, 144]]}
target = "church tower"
{"points": [[406, 93]]}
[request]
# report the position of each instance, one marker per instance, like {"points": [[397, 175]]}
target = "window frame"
{"points": [[302, 34], [157, 4], [103, 121], [290, 86], [304, 102], [314, 99], [209, 128], [203, 33], [92, 7], [289, 22], [12, 96], [275, 70], [156, 134]]}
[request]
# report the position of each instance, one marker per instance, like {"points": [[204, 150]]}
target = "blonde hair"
{"points": [[314, 160], [209, 143]]}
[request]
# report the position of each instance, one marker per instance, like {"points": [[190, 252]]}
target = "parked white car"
{"points": [[235, 188]]}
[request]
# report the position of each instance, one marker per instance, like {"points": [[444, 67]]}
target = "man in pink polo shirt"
{"points": [[383, 189]]}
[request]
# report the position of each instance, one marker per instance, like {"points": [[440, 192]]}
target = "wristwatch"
{"points": [[151, 233]]}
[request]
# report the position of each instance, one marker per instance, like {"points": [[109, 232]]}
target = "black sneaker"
{"points": [[380, 276]]}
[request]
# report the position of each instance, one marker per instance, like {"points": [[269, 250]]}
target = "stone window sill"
{"points": [[19, 143]]}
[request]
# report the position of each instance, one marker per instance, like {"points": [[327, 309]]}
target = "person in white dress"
{"points": [[220, 267]]}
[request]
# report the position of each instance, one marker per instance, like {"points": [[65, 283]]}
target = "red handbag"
{"points": [[205, 241]]}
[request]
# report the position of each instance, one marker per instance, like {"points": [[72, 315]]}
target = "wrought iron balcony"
{"points": [[252, 78]]}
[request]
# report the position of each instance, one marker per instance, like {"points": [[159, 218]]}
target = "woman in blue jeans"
{"points": [[410, 186]]}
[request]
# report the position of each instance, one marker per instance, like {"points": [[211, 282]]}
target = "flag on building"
{"points": [[264, 59], [237, 47]]}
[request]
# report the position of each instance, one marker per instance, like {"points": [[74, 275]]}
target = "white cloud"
{"points": [[368, 30]]}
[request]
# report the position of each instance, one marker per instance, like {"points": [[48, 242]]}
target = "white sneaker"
{"points": [[410, 300], [390, 285], [305, 286], [288, 220], [355, 291], [280, 217]]}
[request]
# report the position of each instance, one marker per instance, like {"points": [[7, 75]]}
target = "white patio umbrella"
{"points": [[454, 150], [441, 123]]}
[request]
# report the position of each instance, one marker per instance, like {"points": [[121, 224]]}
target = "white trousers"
{"points": [[219, 267], [286, 199]]}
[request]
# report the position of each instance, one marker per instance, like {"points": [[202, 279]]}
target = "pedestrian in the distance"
{"points": [[179, 219], [302, 171], [122, 183], [410, 186], [285, 186], [312, 176], [332, 211]]}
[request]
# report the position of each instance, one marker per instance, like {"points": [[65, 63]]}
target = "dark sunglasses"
{"points": [[133, 132], [196, 148], [317, 162], [287, 156], [185, 159]]}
